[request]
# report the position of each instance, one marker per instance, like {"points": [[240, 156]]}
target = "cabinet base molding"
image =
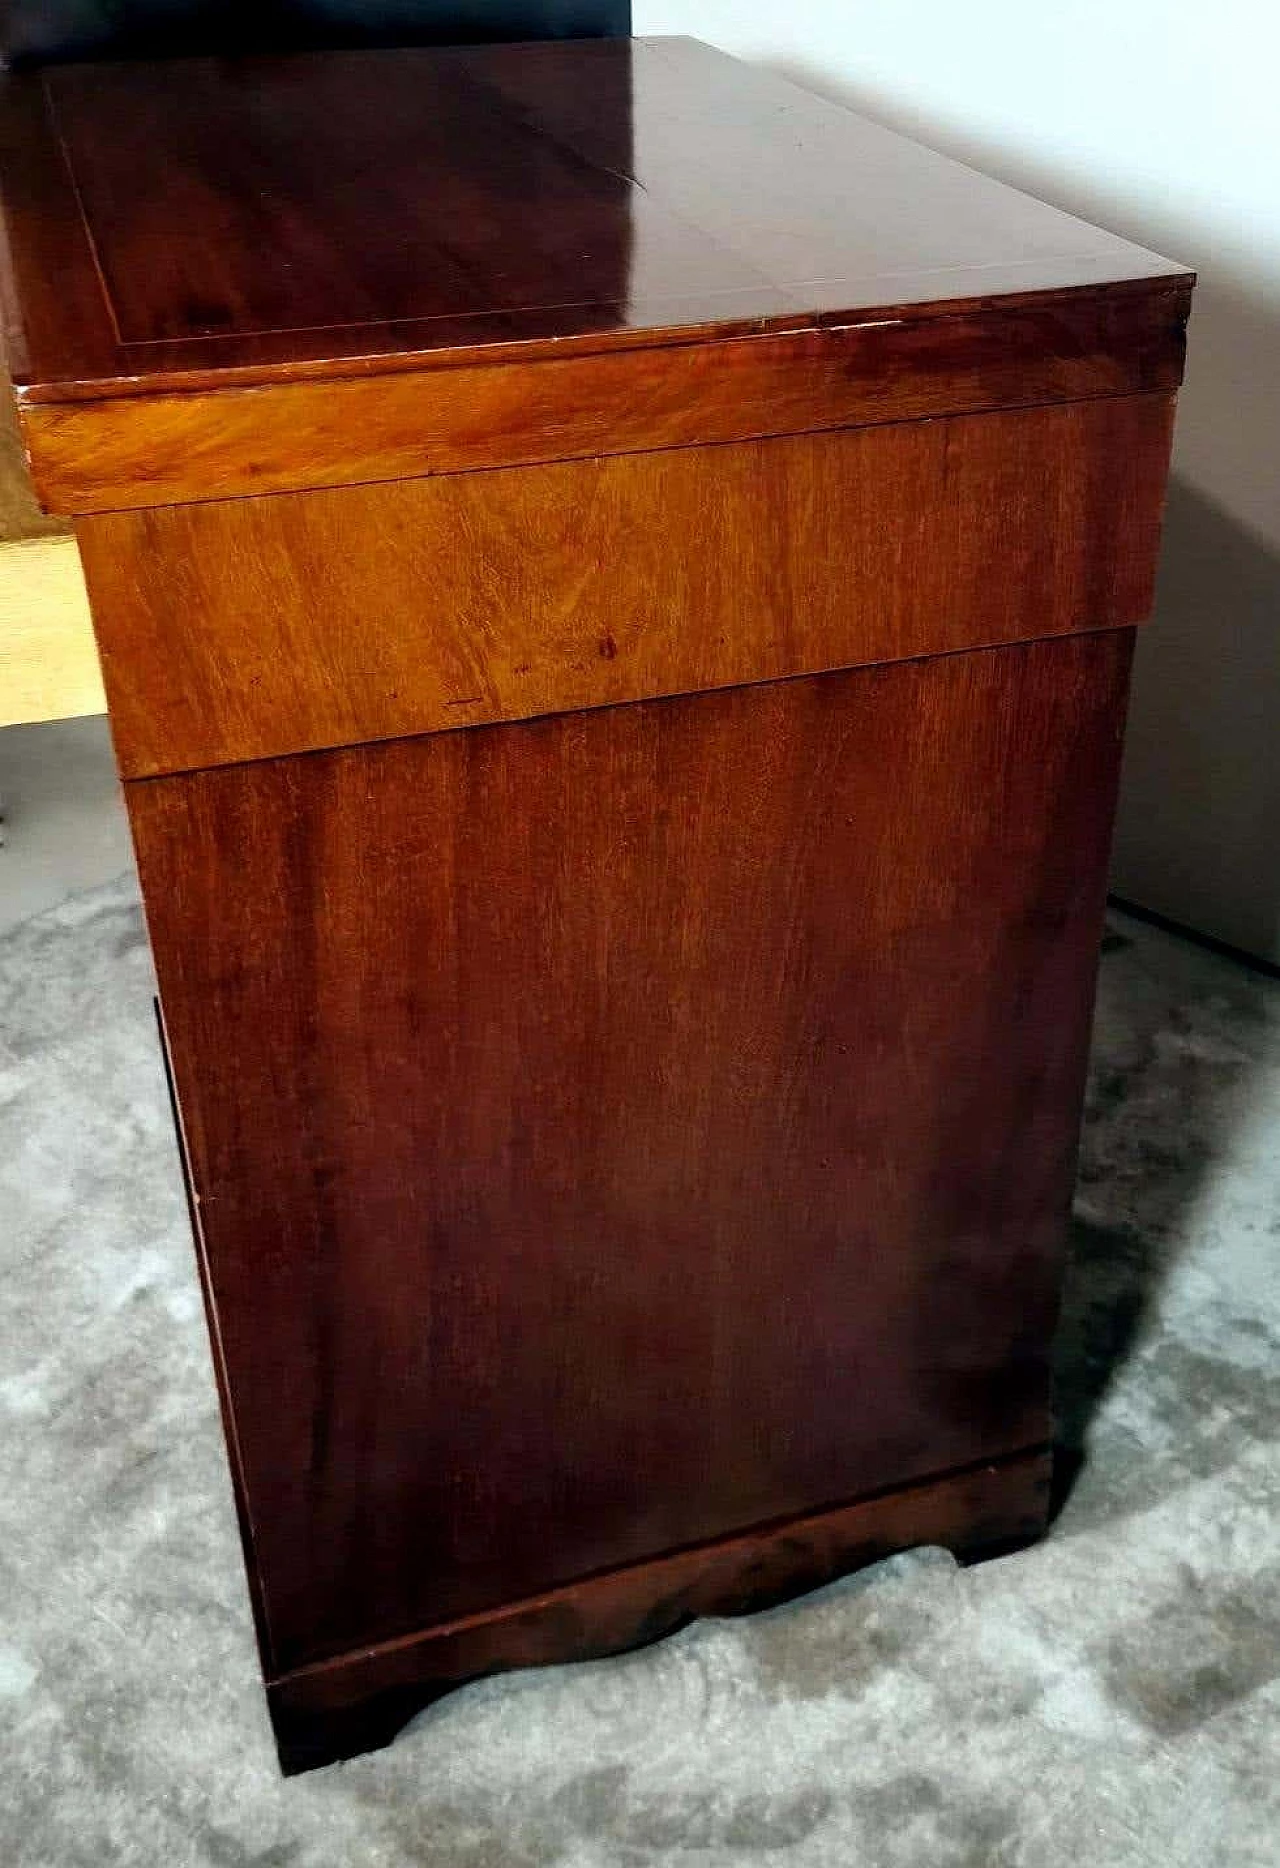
{"points": [[359, 1701]]}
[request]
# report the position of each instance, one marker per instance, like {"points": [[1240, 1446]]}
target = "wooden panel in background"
{"points": [[48, 659], [236, 630], [622, 1130]]}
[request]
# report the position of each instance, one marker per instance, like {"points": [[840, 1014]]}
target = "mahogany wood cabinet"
{"points": [[615, 582]]}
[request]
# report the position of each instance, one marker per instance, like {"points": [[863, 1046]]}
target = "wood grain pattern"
{"points": [[482, 597], [689, 251], [361, 1700], [154, 450], [617, 1131], [630, 1139], [601, 192]]}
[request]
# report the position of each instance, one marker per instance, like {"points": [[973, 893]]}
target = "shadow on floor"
{"points": [[1163, 1101]]}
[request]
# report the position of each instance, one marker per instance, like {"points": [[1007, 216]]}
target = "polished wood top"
{"points": [[212, 222]]}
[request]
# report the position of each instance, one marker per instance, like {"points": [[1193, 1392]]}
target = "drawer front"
{"points": [[243, 629]]}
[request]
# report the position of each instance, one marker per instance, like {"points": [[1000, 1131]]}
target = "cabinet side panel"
{"points": [[623, 1129]]}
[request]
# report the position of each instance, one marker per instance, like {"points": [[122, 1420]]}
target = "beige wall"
{"points": [[1159, 120]]}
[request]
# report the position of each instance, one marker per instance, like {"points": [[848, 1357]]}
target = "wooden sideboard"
{"points": [[615, 582]]}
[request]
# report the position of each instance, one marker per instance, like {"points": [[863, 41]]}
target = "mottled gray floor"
{"points": [[62, 822], [1111, 1697]]}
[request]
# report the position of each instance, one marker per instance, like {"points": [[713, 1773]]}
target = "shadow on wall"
{"points": [[1197, 837], [1200, 806]]}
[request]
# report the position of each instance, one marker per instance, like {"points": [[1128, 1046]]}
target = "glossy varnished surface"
{"points": [[616, 1131], [173, 222], [469, 598], [630, 1138]]}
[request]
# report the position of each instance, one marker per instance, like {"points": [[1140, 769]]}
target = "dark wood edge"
{"points": [[164, 449], [359, 1701], [257, 1596], [424, 345]]}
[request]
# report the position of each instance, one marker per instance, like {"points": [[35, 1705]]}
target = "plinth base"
{"points": [[360, 1701]]}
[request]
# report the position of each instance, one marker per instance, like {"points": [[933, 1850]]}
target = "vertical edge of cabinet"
{"points": [[231, 1438], [360, 1701]]}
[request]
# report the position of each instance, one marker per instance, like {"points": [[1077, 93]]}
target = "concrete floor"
{"points": [[64, 826], [1111, 1697]]}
